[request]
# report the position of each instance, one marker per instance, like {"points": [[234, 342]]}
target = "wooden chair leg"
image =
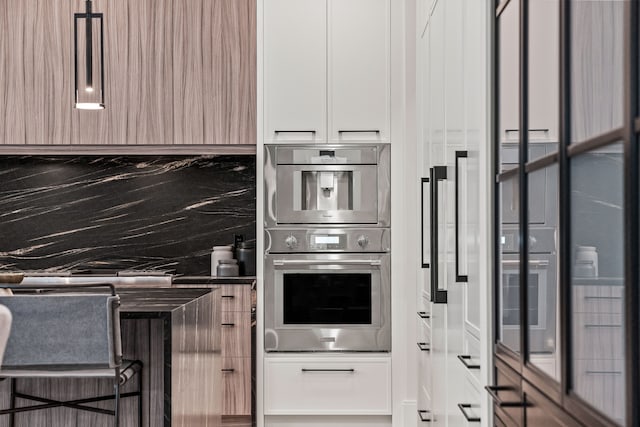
{"points": [[12, 403]]}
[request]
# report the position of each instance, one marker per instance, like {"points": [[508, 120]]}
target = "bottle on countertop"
{"points": [[219, 253], [246, 256], [228, 268], [237, 239]]}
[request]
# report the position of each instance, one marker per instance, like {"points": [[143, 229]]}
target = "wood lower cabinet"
{"points": [[236, 349], [176, 72]]}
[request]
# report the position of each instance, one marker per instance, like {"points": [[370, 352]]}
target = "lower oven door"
{"points": [[327, 302]]}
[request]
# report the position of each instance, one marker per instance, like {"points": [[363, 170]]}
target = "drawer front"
{"points": [[236, 334], [321, 386], [236, 386], [598, 336], [598, 299], [424, 371], [235, 297], [602, 383], [471, 347]]}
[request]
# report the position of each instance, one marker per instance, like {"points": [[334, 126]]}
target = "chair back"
{"points": [[63, 331]]}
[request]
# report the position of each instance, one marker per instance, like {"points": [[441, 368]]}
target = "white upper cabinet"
{"points": [[358, 70], [295, 69], [326, 70]]}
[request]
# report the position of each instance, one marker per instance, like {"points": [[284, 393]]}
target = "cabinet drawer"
{"points": [[235, 297], [236, 334], [598, 299], [602, 383], [471, 347], [598, 336], [236, 386], [323, 386]]}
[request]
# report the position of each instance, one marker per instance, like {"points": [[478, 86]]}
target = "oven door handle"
{"points": [[283, 262]]}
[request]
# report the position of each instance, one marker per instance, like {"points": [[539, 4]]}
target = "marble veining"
{"points": [[123, 212]]}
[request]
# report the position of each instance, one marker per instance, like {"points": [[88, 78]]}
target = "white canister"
{"points": [[219, 252], [586, 262]]}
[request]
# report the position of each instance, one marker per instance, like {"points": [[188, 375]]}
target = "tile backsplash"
{"points": [[60, 213]]}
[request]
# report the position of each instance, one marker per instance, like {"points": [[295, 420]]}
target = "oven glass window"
{"points": [[327, 299], [511, 299]]}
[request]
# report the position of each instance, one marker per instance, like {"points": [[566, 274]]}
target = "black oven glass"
{"points": [[327, 298], [511, 299]]}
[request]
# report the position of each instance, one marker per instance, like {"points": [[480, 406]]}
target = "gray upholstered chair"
{"points": [[5, 328], [70, 331]]}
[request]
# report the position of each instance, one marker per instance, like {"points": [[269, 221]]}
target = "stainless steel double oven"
{"points": [[327, 248]]}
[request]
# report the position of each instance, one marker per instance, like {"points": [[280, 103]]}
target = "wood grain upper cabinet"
{"points": [[295, 63], [176, 72], [359, 70]]}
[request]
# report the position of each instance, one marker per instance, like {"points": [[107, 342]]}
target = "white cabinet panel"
{"points": [[359, 77], [508, 55], [295, 62], [329, 385]]}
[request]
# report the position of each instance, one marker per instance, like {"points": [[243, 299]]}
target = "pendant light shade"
{"points": [[88, 59]]}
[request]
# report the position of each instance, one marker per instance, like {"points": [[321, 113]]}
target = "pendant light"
{"points": [[88, 59]]}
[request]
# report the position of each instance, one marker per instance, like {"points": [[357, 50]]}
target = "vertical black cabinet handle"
{"points": [[463, 408], [422, 182], [459, 277], [422, 418], [438, 173]]}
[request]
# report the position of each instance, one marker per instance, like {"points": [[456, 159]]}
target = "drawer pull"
{"points": [[604, 372], [602, 298], [360, 131], [228, 370], [228, 324], [463, 408], [424, 315], [464, 359], [294, 131], [228, 296], [594, 325], [493, 392], [328, 370], [423, 346], [423, 419]]}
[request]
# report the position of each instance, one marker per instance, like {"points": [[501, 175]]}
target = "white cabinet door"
{"points": [[295, 62], [508, 55], [359, 76]]}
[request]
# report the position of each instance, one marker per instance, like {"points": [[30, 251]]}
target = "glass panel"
{"points": [[544, 72], [509, 75], [544, 351], [510, 264], [597, 243], [596, 67], [327, 299]]}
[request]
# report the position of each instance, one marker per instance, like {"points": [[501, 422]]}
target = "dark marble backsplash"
{"points": [[136, 212]]}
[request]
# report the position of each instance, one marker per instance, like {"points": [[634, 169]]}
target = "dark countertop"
{"points": [[213, 280], [159, 300]]}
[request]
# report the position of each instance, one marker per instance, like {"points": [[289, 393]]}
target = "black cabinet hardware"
{"points": [[459, 277], [464, 358], [295, 131], [359, 131], [424, 315], [228, 370], [228, 296], [423, 346], [493, 392], [422, 182], [463, 408], [227, 324], [438, 173], [423, 419], [328, 370]]}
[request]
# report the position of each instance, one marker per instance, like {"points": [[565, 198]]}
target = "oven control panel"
{"points": [[327, 240]]}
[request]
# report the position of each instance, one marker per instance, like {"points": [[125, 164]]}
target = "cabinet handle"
{"points": [[603, 298], [228, 370], [459, 277], [438, 173], [228, 324], [423, 346], [422, 182], [295, 131], [228, 296], [424, 315], [377, 131], [493, 392], [351, 370], [603, 372], [590, 326], [464, 359], [463, 408], [423, 419]]}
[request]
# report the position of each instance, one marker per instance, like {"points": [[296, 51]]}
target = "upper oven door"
{"points": [[327, 302]]}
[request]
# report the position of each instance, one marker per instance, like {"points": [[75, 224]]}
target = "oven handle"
{"points": [[532, 263], [281, 262]]}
